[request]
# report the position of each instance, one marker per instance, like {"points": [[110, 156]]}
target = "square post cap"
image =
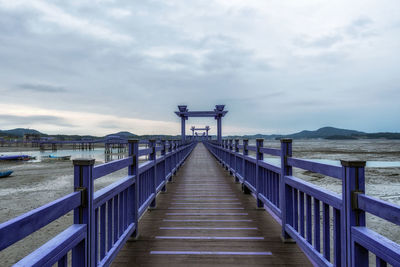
{"points": [[133, 140], [182, 108], [286, 140], [259, 139], [353, 163], [83, 162]]}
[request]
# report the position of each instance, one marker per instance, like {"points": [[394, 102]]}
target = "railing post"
{"points": [[153, 157], [285, 193], [133, 170], [236, 161], [245, 153], [259, 174], [353, 183], [84, 214], [163, 149]]}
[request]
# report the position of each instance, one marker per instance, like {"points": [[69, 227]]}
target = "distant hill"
{"points": [[124, 134], [19, 132], [331, 133], [323, 133]]}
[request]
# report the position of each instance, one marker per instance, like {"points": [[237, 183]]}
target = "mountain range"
{"points": [[322, 133]]}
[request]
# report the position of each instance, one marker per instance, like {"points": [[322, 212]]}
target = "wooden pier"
{"points": [[205, 219], [211, 203]]}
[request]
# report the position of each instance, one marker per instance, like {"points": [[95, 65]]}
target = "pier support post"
{"points": [[245, 153], [259, 172], [285, 193], [163, 148], [84, 214], [133, 170], [153, 157], [353, 183], [236, 161]]}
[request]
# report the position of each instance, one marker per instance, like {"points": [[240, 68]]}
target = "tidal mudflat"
{"points": [[36, 183]]}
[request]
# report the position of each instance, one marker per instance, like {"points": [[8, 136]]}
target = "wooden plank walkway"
{"points": [[205, 220]]}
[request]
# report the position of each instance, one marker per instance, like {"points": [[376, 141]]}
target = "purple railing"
{"points": [[103, 220], [329, 228]]}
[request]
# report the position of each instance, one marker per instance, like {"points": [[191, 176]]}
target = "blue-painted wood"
{"points": [[56, 248], [353, 181], [323, 195], [308, 219], [271, 151], [83, 179], [295, 210], [259, 178], [110, 167], [108, 192], [317, 226], [326, 231], [380, 208], [325, 169], [33, 220], [379, 245]]}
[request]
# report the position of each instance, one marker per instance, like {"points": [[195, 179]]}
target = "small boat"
{"points": [[5, 174], [57, 157], [16, 157]]}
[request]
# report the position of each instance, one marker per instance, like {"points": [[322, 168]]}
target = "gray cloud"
{"points": [[31, 119], [193, 54], [41, 88]]}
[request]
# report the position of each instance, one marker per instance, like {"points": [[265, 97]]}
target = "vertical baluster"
{"points": [[116, 217], [258, 172], [63, 262], [102, 231], [296, 209], [308, 219], [96, 236], [380, 262], [121, 214], [126, 217], [336, 238], [109, 225], [133, 170], [285, 190], [273, 187], [317, 226], [326, 232], [276, 188], [302, 214], [83, 181]]}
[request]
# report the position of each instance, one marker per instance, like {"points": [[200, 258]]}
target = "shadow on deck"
{"points": [[205, 219]]}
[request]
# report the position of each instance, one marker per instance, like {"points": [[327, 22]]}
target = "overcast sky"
{"points": [[97, 67]]}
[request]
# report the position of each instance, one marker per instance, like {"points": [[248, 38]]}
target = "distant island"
{"points": [[328, 133]]}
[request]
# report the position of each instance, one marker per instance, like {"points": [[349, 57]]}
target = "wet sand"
{"points": [[34, 184]]}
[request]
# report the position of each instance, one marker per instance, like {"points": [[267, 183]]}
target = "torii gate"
{"points": [[207, 128], [218, 113]]}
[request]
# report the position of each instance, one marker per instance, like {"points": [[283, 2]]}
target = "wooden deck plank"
{"points": [[200, 183]]}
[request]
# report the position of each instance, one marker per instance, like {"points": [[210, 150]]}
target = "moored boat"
{"points": [[52, 157], [5, 174], [16, 157]]}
